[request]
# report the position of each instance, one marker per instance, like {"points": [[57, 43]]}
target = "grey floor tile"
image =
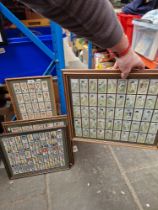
{"points": [[20, 188], [133, 159], [36, 202], [152, 155], [94, 183], [145, 183]]}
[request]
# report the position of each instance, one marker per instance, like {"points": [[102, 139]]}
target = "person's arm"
{"points": [[92, 19]]}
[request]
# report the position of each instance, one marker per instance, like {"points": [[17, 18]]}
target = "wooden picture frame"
{"points": [[86, 96], [38, 124], [32, 97], [36, 152]]}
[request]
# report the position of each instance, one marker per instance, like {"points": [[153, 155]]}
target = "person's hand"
{"points": [[128, 62]]}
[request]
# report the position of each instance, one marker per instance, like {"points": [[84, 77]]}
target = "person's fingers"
{"points": [[125, 71], [115, 66], [138, 68], [141, 66], [124, 75], [129, 62]]}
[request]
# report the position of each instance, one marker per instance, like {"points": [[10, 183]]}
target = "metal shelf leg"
{"points": [[90, 55], [60, 61]]}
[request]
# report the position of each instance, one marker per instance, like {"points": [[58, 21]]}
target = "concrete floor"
{"points": [[103, 178]]}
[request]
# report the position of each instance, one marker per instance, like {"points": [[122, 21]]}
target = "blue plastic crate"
{"points": [[22, 57]]}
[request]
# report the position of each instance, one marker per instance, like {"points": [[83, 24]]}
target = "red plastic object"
{"points": [[126, 22]]}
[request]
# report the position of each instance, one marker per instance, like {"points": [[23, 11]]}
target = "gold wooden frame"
{"points": [[101, 74], [10, 82]]}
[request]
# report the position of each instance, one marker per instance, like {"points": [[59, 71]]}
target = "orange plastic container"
{"points": [[149, 64], [126, 22]]}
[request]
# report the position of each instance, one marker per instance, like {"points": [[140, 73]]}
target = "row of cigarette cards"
{"points": [[115, 109]]}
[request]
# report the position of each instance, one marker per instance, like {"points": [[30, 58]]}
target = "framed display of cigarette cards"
{"points": [[36, 152], [102, 107], [32, 97]]}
